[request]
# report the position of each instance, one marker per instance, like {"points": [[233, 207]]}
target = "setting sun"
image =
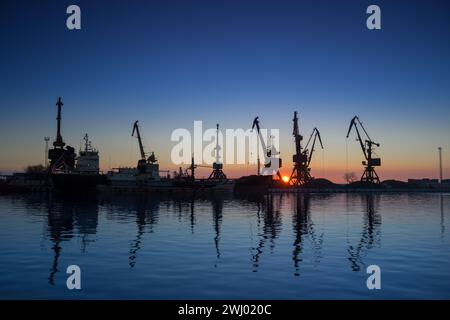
{"points": [[285, 179]]}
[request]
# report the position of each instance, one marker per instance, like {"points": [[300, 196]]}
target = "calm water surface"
{"points": [[279, 247]]}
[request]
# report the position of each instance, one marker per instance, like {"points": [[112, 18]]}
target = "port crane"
{"points": [[142, 163], [302, 158], [367, 148], [184, 174], [270, 153], [217, 173]]}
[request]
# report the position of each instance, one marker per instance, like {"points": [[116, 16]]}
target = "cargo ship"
{"points": [[145, 177], [69, 173]]}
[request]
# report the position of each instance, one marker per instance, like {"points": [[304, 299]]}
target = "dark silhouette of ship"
{"points": [[68, 172], [254, 184]]}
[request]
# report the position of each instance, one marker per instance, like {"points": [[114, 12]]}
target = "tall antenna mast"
{"points": [[86, 143], [217, 144], [46, 139], [440, 164]]}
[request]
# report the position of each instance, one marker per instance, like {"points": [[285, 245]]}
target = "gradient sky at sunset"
{"points": [[168, 63]]}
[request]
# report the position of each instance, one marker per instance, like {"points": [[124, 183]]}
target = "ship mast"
{"points": [[87, 144]]}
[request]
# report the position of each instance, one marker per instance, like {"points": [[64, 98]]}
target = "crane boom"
{"points": [[138, 135], [263, 144], [269, 153], [316, 135], [361, 143]]}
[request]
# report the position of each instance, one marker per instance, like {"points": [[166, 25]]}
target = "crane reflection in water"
{"points": [[147, 210], [65, 219], [304, 228], [442, 216], [371, 231], [162, 242], [269, 224], [217, 206]]}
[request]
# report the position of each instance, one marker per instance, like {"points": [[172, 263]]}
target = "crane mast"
{"points": [[217, 173], [58, 143], [62, 157], [297, 136], [367, 147], [302, 158]]}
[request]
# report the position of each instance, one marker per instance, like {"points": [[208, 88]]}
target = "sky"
{"points": [[167, 63]]}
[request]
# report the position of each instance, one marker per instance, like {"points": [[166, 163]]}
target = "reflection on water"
{"points": [[269, 228], [442, 217], [63, 216], [276, 238], [146, 214], [370, 234], [304, 228], [217, 218]]}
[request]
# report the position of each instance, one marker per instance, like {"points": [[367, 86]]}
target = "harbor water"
{"points": [[284, 246]]}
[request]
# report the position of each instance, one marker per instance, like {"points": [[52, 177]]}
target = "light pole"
{"points": [[440, 164], [46, 139]]}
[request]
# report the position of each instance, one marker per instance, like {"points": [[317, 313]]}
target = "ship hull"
{"points": [[253, 184], [77, 183]]}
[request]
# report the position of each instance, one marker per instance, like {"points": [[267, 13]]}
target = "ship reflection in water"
{"points": [[277, 246]]}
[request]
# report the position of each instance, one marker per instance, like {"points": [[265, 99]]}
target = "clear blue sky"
{"points": [[168, 63]]}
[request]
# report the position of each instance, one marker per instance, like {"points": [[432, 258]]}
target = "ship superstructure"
{"points": [[88, 160]]}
